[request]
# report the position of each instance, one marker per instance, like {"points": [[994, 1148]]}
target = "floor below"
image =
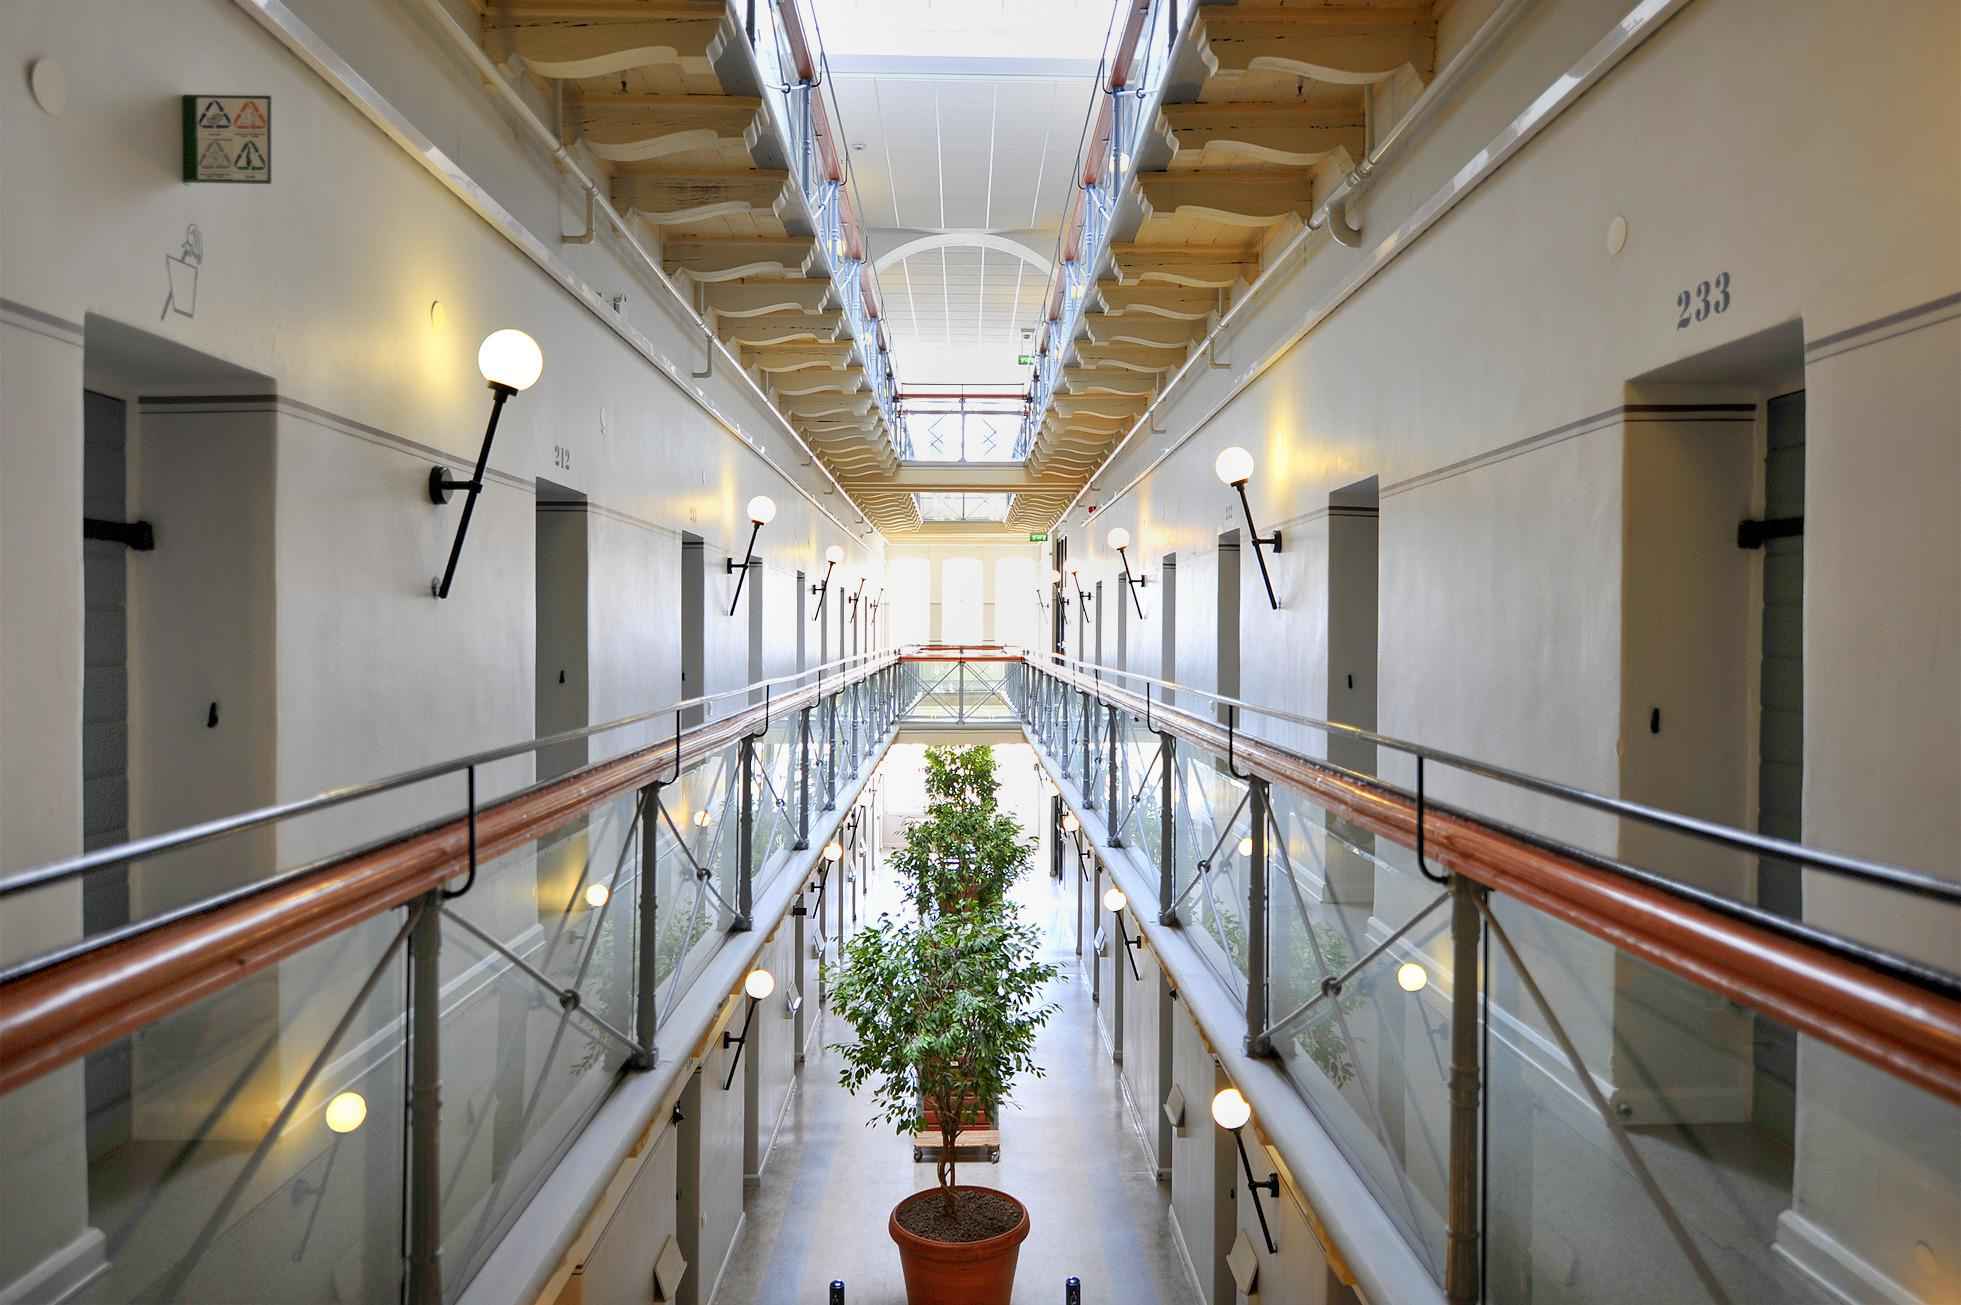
{"points": [[1068, 1152]]}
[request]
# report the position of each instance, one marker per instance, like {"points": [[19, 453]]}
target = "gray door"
{"points": [[105, 737], [1780, 765]]}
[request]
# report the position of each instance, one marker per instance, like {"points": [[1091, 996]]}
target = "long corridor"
{"points": [[1068, 1151]]}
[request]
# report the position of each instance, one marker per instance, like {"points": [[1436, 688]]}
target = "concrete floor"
{"points": [[1068, 1152]]}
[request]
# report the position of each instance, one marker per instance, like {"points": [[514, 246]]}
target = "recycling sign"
{"points": [[228, 138]]}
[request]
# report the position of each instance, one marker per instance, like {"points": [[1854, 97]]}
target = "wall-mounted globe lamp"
{"points": [[1075, 570], [1411, 977], [1070, 825], [511, 363], [1245, 845], [597, 895], [1231, 1111], [346, 1112], [762, 511], [1114, 901], [1120, 540], [1234, 467], [756, 985], [832, 556], [834, 851]]}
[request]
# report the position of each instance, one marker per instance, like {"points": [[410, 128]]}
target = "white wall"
{"points": [[1525, 554]]}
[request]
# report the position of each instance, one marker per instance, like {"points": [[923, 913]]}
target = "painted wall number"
{"points": [[1697, 305], [561, 457]]}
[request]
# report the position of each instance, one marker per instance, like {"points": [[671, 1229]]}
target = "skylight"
{"points": [[963, 507], [970, 29]]}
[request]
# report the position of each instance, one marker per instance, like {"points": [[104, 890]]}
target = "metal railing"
{"points": [[1137, 50], [789, 47], [1433, 985], [524, 953]]}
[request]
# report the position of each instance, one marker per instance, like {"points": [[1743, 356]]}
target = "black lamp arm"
{"points": [[748, 560], [823, 590], [440, 486], [1133, 583], [740, 1042], [1128, 944], [1270, 1183], [1260, 543]]}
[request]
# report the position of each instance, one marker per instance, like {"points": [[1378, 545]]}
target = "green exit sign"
{"points": [[1024, 360], [1038, 536]]}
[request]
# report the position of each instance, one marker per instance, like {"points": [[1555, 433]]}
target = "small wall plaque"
{"points": [[1245, 1265], [1174, 1107], [669, 1268], [228, 138]]}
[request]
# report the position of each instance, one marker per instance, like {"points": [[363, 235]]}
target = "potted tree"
{"points": [[966, 853], [946, 1009]]}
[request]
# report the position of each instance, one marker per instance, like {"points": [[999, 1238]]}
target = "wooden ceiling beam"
{"points": [[638, 128], [675, 199], [562, 46], [707, 259]]}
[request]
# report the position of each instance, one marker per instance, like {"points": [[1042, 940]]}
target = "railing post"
{"points": [[1461, 1265], [857, 702], [1110, 760], [960, 688], [425, 1103], [1089, 775], [745, 835], [803, 779], [1167, 828], [647, 1006], [1257, 1042], [831, 753]]}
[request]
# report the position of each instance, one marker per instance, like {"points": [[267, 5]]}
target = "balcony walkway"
{"points": [[1068, 1151]]}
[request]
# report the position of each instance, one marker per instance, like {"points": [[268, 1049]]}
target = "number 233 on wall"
{"points": [[1704, 301]]}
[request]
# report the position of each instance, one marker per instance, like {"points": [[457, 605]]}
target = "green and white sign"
{"points": [[228, 138], [1038, 536]]}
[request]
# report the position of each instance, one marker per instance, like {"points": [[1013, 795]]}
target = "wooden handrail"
{"points": [[1908, 1032], [53, 1016]]}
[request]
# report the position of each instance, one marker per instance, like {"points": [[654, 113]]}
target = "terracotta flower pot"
{"points": [[959, 1273]]}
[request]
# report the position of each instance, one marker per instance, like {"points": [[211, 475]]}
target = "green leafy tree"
{"points": [[946, 1010], [966, 853]]}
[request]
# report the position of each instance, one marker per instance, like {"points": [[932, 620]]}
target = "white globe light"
{"points": [[1230, 1110], [1234, 465], [701, 818], [597, 894], [1072, 566], [1246, 845], [346, 1111], [834, 554], [1114, 900], [759, 984], [1411, 977], [1070, 824], [762, 509], [1119, 539], [834, 851], [510, 358]]}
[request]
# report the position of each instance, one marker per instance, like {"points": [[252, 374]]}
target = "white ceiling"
{"points": [[954, 127]]}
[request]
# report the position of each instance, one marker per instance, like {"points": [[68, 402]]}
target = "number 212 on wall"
{"points": [[1699, 304]]}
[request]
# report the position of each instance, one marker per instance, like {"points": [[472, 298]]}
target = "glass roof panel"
{"points": [[963, 507]]}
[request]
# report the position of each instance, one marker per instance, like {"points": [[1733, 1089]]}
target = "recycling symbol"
{"points": [[214, 115], [250, 158]]}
